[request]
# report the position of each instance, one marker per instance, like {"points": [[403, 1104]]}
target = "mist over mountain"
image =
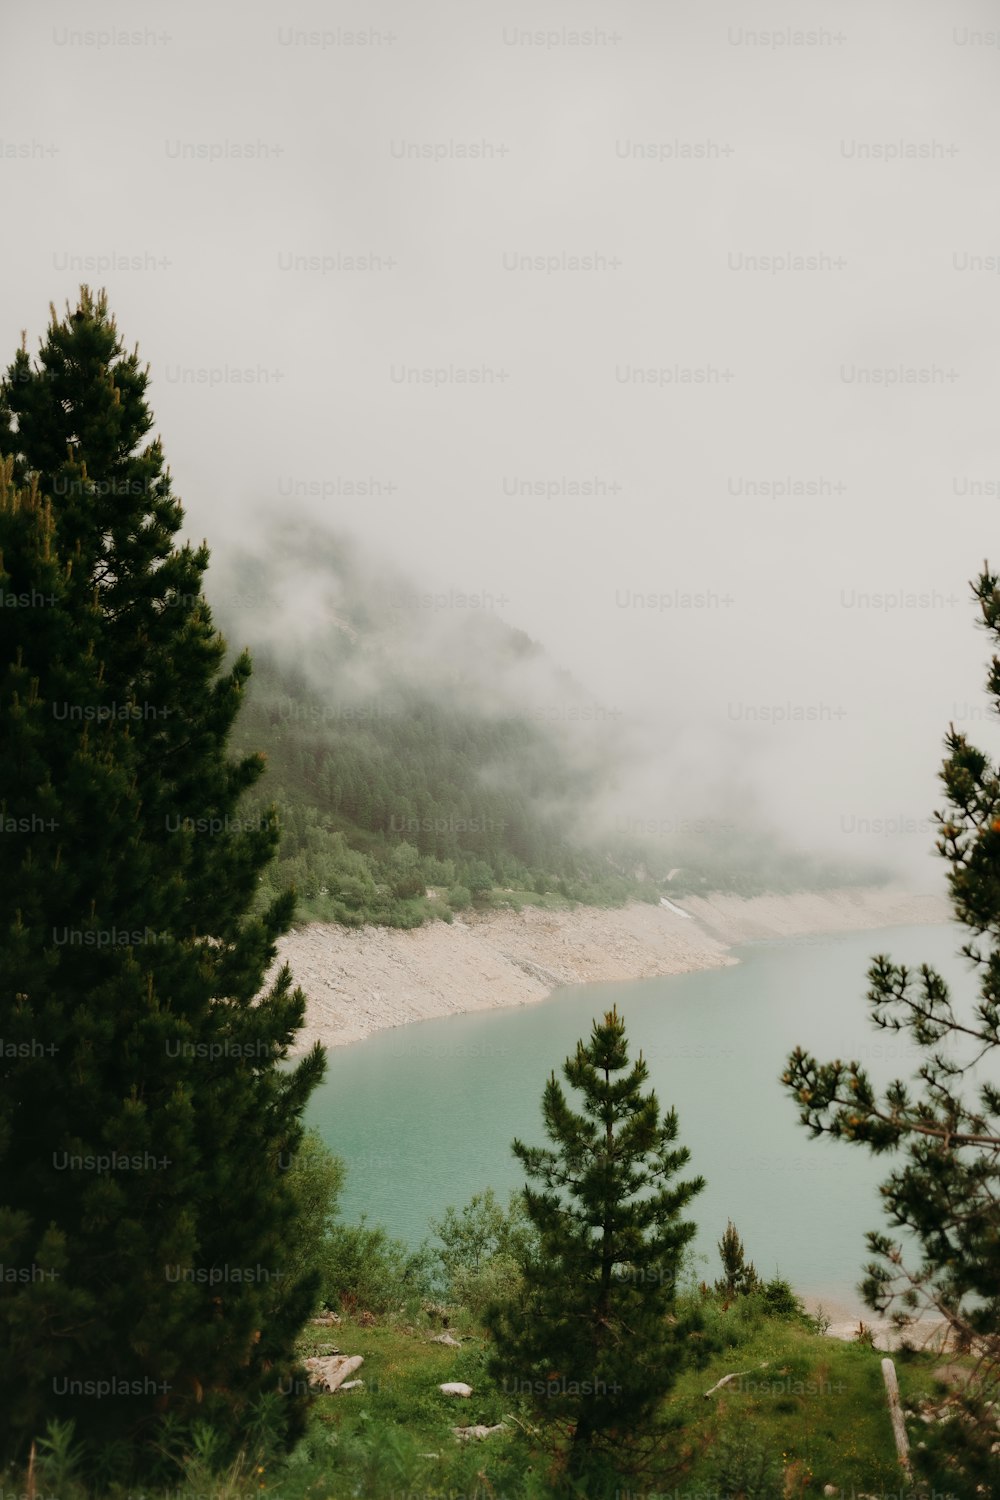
{"points": [[424, 754]]}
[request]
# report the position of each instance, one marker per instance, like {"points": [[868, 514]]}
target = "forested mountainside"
{"points": [[423, 756]]}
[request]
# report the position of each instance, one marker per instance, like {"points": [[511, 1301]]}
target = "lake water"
{"points": [[424, 1114]]}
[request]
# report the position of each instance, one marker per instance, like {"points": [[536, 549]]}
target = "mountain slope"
{"points": [[423, 755]]}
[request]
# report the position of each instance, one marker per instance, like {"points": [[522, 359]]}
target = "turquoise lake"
{"points": [[424, 1114]]}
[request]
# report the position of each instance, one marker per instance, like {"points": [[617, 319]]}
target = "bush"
{"points": [[499, 1280], [743, 1465], [483, 1229], [780, 1300], [480, 880], [459, 897], [318, 1179], [483, 1244], [369, 1272], [360, 1267]]}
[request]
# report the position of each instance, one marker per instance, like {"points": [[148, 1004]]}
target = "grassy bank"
{"points": [[806, 1412]]}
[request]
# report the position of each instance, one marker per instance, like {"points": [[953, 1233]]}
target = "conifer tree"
{"points": [[592, 1341], [146, 1120], [944, 1128], [739, 1276]]}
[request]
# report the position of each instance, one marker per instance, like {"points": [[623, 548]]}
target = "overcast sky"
{"points": [[299, 211]]}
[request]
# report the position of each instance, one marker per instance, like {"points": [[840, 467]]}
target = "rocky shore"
{"points": [[359, 981]]}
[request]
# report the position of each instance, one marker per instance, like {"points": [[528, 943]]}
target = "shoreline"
{"points": [[844, 1315], [362, 980]]}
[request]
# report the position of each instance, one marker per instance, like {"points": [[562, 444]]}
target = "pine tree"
{"points": [[593, 1342], [146, 1121], [946, 1125], [739, 1275]]}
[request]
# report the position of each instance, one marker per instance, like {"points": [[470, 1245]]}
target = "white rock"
{"points": [[478, 1431], [455, 1388], [445, 1338]]}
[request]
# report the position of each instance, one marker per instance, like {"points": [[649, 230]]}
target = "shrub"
{"points": [[742, 1465], [482, 1245], [371, 1272], [780, 1300], [317, 1176]]}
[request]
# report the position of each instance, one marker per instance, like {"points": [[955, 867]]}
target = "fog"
{"points": [[664, 333]]}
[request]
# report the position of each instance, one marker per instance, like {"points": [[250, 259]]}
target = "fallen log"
{"points": [[896, 1414], [477, 1431], [328, 1374], [734, 1376]]}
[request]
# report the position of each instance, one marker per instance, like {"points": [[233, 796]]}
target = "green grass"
{"points": [[809, 1411], [813, 1407]]}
